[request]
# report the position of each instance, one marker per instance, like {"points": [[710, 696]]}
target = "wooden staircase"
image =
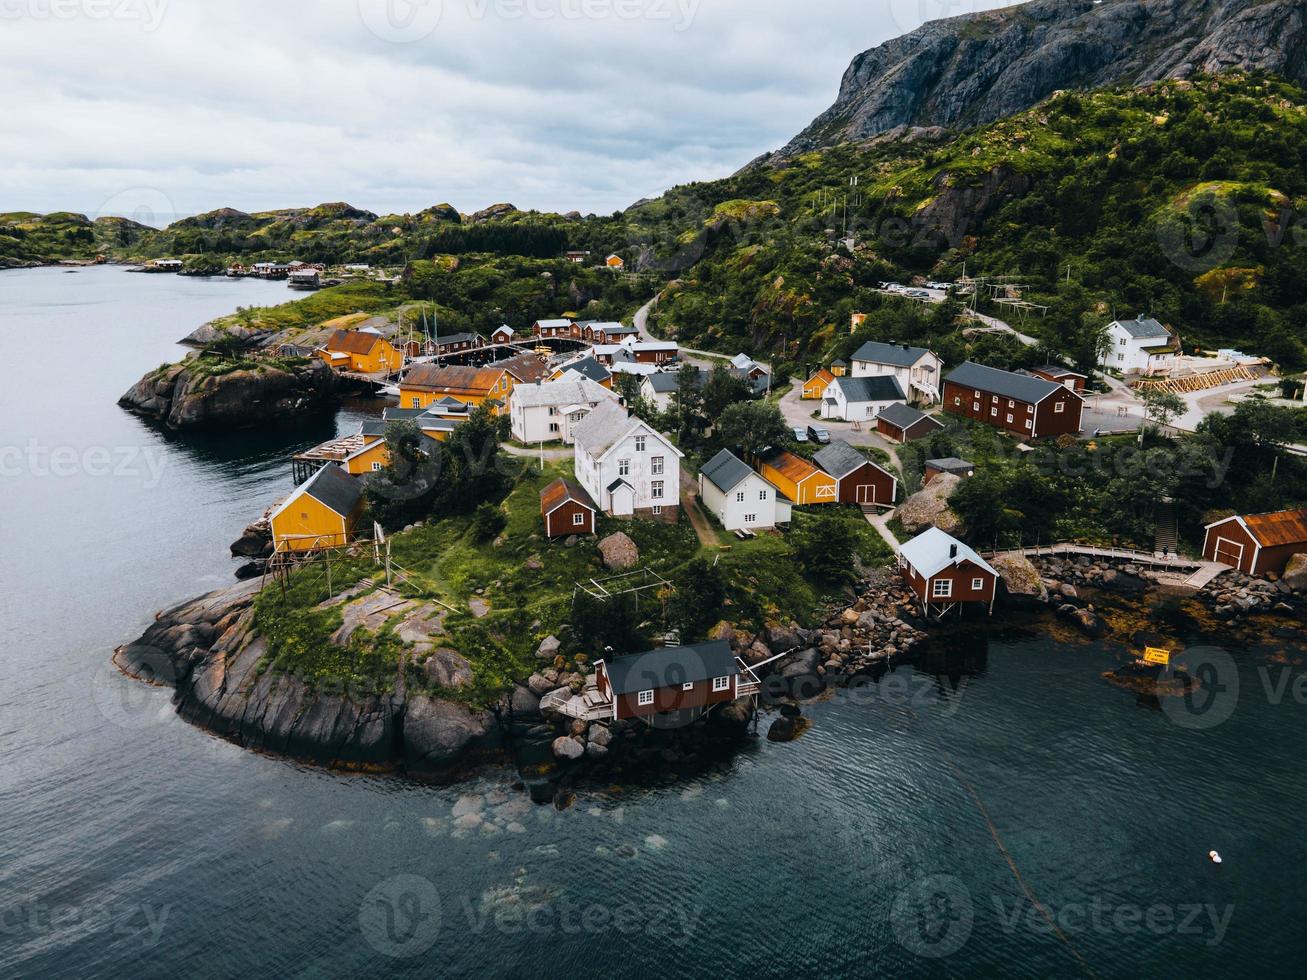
{"points": [[1166, 533]]}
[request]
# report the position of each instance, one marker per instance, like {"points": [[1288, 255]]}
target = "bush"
{"points": [[487, 522]]}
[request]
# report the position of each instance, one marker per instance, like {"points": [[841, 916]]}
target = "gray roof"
{"points": [[334, 488], [1143, 327], [726, 471], [950, 464], [903, 416], [877, 388], [670, 667], [598, 431], [1009, 384], [559, 393], [373, 427], [899, 355], [392, 413], [591, 368], [839, 459], [1058, 369], [458, 338], [931, 551]]}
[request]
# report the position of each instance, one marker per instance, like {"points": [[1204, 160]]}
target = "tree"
{"points": [[405, 489], [700, 596], [1162, 407], [722, 389], [751, 427], [473, 470], [488, 521], [687, 402], [824, 546]]}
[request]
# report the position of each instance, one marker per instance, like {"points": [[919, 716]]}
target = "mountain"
{"points": [[982, 67]]}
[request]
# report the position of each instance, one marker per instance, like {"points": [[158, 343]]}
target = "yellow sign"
{"points": [[1156, 655]]}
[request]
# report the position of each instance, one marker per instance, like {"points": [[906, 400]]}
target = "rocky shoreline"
{"points": [[208, 651]]}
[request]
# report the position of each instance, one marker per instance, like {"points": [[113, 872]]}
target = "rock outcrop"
{"points": [[928, 507], [1020, 580], [977, 68], [619, 551], [181, 396]]}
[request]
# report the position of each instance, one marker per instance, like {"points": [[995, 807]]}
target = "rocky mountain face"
{"points": [[981, 67]]}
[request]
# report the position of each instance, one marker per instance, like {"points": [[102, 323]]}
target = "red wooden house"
{"points": [[1257, 544], [690, 679], [859, 480], [566, 509], [1022, 404], [900, 423], [1061, 376], [944, 572]]}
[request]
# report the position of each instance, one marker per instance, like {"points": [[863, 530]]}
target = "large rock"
{"points": [[182, 397], [1295, 573], [1020, 579], [619, 551], [567, 747], [448, 668], [439, 734], [928, 507]]}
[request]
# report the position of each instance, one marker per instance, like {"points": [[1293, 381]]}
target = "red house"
{"points": [[566, 509], [900, 422], [858, 479], [1061, 376], [1022, 404], [689, 679], [944, 572], [1257, 544]]}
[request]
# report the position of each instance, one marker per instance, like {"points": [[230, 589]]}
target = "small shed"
{"points": [[900, 423], [566, 509], [1061, 376], [1257, 544], [322, 512], [502, 335], [815, 386], [691, 679], [947, 464]]}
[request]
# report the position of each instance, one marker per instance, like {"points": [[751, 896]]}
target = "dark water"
{"points": [[134, 845]]}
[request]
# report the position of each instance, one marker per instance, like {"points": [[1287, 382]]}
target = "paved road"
{"points": [[701, 358], [798, 413]]}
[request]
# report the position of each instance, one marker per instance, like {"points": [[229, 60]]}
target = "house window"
{"points": [[1009, 418], [656, 465], [645, 698], [994, 411], [975, 406], [376, 467], [1029, 424], [415, 401], [657, 511], [993, 398], [688, 686], [578, 520], [656, 489], [553, 426], [957, 401], [1120, 357], [977, 394], [1057, 408], [1011, 403], [762, 494], [553, 410], [977, 584], [623, 467], [750, 518], [739, 497], [721, 683], [639, 444], [941, 588], [871, 411]]}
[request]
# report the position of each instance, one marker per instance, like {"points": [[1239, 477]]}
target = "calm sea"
{"points": [[1005, 812]]}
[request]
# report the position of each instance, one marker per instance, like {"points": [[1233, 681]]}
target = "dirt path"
{"points": [[698, 520]]}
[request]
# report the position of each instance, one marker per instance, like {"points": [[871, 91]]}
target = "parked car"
{"points": [[916, 294], [817, 434], [800, 433]]}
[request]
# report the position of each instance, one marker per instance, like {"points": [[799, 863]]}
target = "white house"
{"points": [[1140, 346], [860, 399], [547, 410], [626, 466], [739, 496], [660, 389], [918, 370]]}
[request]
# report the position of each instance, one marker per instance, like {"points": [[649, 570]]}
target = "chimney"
{"points": [[953, 551]]}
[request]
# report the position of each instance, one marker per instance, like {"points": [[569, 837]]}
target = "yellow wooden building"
{"points": [[371, 458], [322, 512], [361, 351], [426, 384], [799, 480], [815, 386]]}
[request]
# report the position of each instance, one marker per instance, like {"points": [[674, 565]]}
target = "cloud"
{"points": [[395, 105]]}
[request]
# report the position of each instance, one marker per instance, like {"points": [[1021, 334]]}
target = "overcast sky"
{"points": [[164, 107]]}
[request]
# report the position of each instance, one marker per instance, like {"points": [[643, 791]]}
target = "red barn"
{"points": [[566, 509], [1022, 404], [689, 679], [900, 423], [1061, 376], [858, 479], [944, 572], [1257, 544]]}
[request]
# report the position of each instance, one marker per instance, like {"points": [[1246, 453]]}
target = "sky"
{"points": [[158, 108]]}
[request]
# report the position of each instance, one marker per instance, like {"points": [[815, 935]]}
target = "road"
{"points": [[701, 358], [798, 413]]}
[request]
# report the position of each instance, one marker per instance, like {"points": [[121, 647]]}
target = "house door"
{"points": [[623, 501], [1229, 552], [866, 493]]}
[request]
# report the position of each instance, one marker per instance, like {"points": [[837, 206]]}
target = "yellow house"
{"points": [[322, 512], [374, 455], [815, 386], [428, 383], [615, 262], [361, 351], [857, 320], [839, 368], [799, 480]]}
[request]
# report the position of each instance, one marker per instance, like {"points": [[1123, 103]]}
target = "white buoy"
{"points": [[1216, 858]]}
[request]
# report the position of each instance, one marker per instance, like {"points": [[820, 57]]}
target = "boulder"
{"points": [[566, 747], [524, 704], [928, 507], [439, 733], [448, 668], [1019, 577], [548, 648], [619, 551], [600, 735], [1295, 573]]}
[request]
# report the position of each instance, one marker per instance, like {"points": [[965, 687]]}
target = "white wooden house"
{"points": [[627, 467], [1140, 346], [547, 411], [860, 399], [918, 370], [738, 496]]}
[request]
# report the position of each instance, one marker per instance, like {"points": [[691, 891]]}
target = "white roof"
{"points": [[505, 328], [931, 551], [607, 425], [742, 361], [555, 323], [625, 367], [555, 393]]}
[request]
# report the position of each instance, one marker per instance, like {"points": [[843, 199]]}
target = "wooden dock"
{"points": [[1174, 573]]}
